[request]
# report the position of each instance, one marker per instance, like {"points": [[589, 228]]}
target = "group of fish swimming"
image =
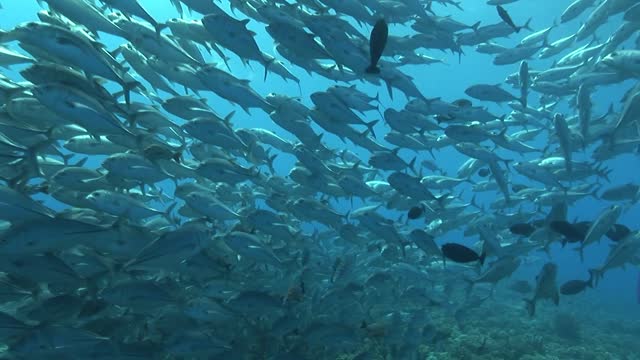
{"points": [[218, 265]]}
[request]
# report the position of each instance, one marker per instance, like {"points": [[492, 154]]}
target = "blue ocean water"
{"points": [[616, 294], [447, 81]]}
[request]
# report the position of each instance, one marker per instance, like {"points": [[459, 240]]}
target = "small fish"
{"points": [[573, 287], [523, 229], [377, 43], [415, 212], [504, 15], [460, 253], [571, 232], [484, 172]]}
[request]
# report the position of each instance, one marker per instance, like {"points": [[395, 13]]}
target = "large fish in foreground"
{"points": [[546, 287], [377, 43]]}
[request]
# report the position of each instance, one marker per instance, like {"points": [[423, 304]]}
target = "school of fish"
{"points": [[187, 242]]}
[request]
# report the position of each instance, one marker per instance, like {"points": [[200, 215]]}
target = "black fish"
{"points": [[415, 212], [504, 15], [484, 172], [571, 232], [523, 229], [573, 287], [460, 253], [618, 232], [377, 42]]}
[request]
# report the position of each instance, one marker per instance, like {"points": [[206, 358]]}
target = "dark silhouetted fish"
{"points": [[573, 287], [484, 172], [571, 232], [415, 212], [523, 229], [504, 15], [377, 43], [460, 253], [618, 232]]}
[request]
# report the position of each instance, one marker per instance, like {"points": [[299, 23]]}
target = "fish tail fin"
{"points": [[370, 126], [270, 160], [127, 87], [475, 26], [429, 8], [267, 63], [372, 69], [527, 25], [531, 307]]}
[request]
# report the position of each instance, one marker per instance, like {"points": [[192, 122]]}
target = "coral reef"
{"points": [[486, 333], [566, 326]]}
